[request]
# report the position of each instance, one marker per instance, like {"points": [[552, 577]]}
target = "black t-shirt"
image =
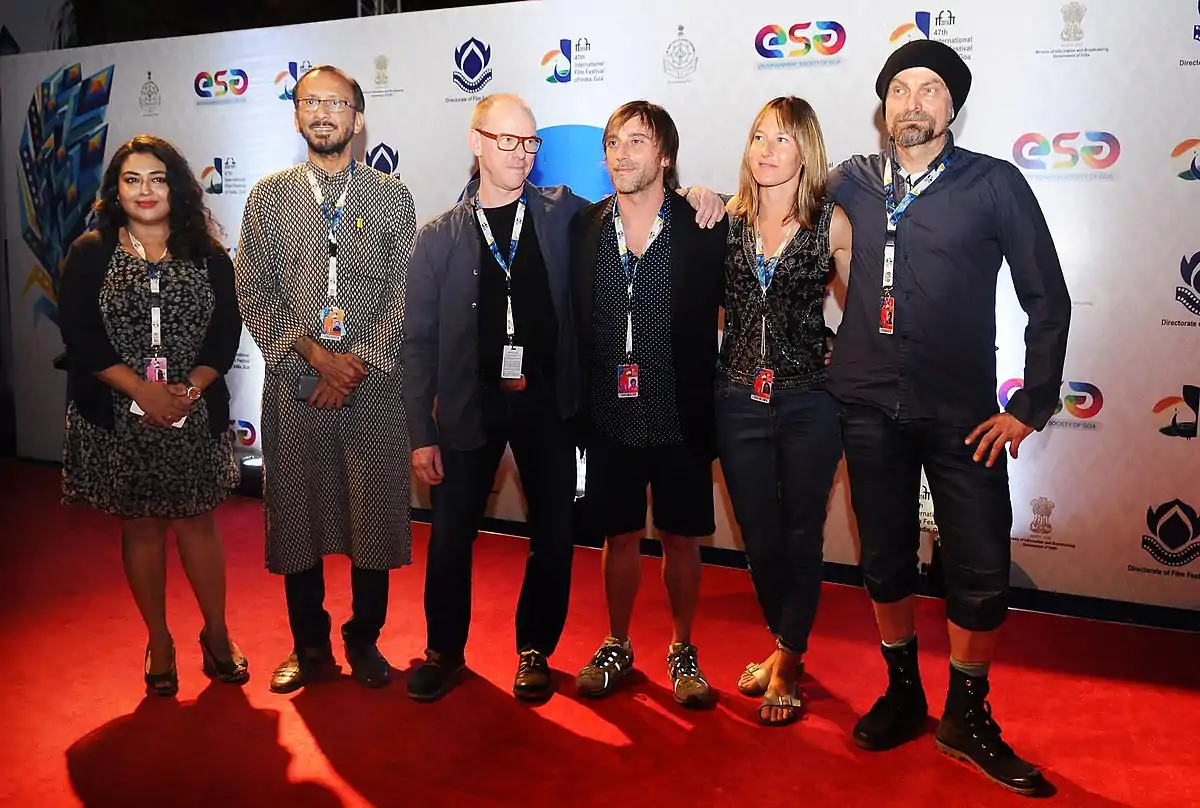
{"points": [[534, 318]]}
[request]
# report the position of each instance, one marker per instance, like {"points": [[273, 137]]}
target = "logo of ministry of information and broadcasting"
{"points": [[680, 60], [1042, 508], [1072, 14], [1173, 537], [1083, 403], [471, 72], [286, 81], [806, 42], [1187, 158]]}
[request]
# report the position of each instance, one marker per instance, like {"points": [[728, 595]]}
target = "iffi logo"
{"points": [[922, 27], [471, 71], [1084, 402], [1097, 150], [384, 158], [224, 82], [1167, 413], [559, 61], [243, 432], [212, 178], [1187, 159], [286, 81], [1173, 539]]}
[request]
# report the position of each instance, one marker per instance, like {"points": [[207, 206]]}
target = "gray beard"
{"points": [[908, 135]]}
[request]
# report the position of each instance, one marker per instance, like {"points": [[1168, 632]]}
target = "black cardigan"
{"points": [[89, 351], [697, 290]]}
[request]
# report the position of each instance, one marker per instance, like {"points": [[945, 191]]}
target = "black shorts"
{"points": [[971, 506], [680, 479]]}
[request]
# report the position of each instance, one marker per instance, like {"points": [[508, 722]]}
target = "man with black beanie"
{"points": [[914, 368]]}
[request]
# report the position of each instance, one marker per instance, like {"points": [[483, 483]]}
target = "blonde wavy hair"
{"points": [[797, 120]]}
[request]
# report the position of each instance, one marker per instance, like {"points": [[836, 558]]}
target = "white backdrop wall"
{"points": [[1097, 105]]}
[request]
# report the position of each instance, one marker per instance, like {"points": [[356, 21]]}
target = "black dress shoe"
{"points": [[435, 677], [533, 677], [368, 666], [968, 733], [899, 714], [303, 668], [232, 671]]}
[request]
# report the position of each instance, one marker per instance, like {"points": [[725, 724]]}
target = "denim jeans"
{"points": [[779, 460]]}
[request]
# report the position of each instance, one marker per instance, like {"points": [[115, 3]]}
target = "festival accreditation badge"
{"points": [[156, 369], [627, 381], [887, 314], [333, 323], [764, 382]]}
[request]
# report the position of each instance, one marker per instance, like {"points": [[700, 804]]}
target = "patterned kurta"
{"points": [[335, 481]]}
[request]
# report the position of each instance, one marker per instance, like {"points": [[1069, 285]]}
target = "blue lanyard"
{"points": [[766, 268], [334, 216], [627, 265], [518, 221], [894, 210]]}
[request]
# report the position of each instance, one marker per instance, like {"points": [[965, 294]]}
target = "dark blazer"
{"points": [[440, 349], [89, 351], [697, 289]]}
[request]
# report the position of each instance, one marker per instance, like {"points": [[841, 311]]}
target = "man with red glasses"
{"points": [[488, 337]]}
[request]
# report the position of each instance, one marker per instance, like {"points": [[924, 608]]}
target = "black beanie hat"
{"points": [[938, 57]]}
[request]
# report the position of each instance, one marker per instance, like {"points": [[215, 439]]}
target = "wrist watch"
{"points": [[193, 392]]}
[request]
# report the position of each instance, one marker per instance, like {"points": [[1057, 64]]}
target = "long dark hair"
{"points": [[194, 233]]}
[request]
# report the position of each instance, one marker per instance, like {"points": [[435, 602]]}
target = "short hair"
{"points": [[485, 105], [798, 119], [360, 100], [662, 129]]}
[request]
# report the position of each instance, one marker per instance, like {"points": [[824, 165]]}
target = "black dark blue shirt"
{"points": [[652, 417], [950, 243]]}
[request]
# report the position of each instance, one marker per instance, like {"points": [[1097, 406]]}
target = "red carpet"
{"points": [[1110, 711]]}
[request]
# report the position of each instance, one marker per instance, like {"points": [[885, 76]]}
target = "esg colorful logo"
{"points": [[215, 85], [1085, 402], [827, 40], [244, 432], [1103, 152]]}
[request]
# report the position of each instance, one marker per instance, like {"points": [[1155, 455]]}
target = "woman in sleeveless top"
{"points": [[777, 427]]}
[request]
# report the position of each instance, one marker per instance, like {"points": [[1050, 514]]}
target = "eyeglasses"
{"points": [[507, 142], [334, 105]]}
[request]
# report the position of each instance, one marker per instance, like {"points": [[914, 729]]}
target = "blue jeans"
{"points": [[779, 460]]}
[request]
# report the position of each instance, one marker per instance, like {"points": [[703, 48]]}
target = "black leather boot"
{"points": [[968, 733], [899, 714]]}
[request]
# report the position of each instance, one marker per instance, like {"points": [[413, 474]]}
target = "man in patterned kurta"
{"points": [[321, 268]]}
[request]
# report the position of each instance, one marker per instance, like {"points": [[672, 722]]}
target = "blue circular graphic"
{"points": [[573, 154]]}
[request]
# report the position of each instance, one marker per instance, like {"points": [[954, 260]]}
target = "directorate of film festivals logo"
{"points": [[804, 44], [1082, 404], [62, 161], [384, 158], [1067, 155], [1186, 157], [1188, 294], [1173, 537], [680, 60], [1176, 416], [471, 71]]}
